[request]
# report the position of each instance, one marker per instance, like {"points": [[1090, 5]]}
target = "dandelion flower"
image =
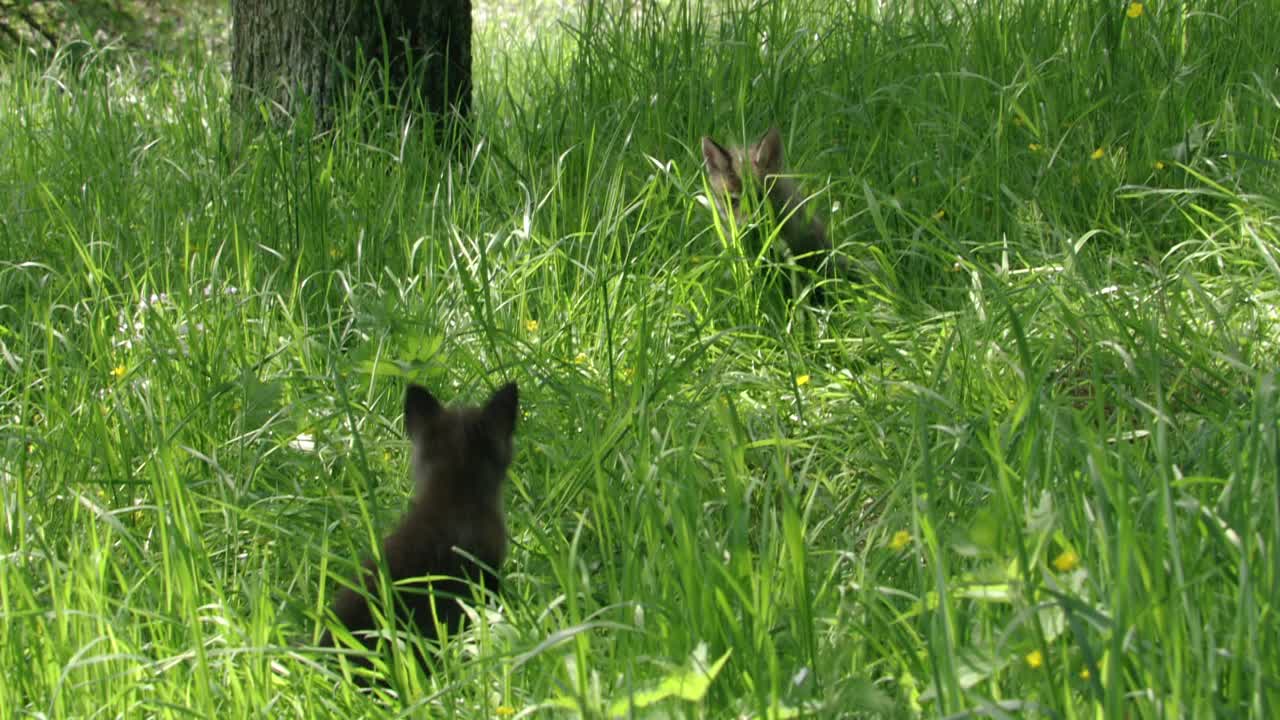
{"points": [[1035, 659], [900, 540], [531, 326], [1097, 154], [1135, 10], [505, 711], [580, 359], [802, 380], [118, 371], [1067, 561]]}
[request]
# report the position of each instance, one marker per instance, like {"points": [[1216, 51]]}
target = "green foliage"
{"points": [[139, 25], [1024, 464]]}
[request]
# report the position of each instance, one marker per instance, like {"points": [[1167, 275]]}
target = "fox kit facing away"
{"points": [[730, 169], [460, 459]]}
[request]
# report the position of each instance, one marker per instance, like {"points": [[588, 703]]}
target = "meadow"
{"points": [[1023, 463]]}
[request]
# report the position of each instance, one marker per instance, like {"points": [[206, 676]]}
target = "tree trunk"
{"points": [[288, 52]]}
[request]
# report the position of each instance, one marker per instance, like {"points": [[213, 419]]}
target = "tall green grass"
{"points": [[1024, 463]]}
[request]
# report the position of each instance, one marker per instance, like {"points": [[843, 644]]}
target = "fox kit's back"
{"points": [[460, 459]]}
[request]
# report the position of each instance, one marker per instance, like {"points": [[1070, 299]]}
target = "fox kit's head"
{"points": [[461, 454], [730, 170], [756, 171]]}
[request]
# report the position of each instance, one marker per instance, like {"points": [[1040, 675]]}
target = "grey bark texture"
{"points": [[286, 51]]}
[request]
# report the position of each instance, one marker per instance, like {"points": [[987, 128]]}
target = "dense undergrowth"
{"points": [[1024, 462]]}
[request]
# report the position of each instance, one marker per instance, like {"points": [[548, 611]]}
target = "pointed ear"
{"points": [[716, 157], [766, 155], [501, 410], [419, 407]]}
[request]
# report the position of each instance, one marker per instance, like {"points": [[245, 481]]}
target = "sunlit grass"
{"points": [[1025, 461]]}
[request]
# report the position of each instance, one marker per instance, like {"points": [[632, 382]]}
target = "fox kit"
{"points": [[730, 169], [460, 458]]}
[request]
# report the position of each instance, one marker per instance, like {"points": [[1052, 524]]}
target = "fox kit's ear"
{"points": [[766, 155], [501, 409], [419, 407], [716, 157]]}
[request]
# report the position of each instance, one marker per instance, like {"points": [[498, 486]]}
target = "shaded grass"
{"points": [[869, 507]]}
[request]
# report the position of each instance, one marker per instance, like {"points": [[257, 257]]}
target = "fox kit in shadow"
{"points": [[460, 459], [732, 171]]}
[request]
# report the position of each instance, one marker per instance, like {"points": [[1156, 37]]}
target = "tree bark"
{"points": [[289, 52]]}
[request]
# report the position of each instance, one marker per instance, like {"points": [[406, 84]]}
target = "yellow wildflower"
{"points": [[1098, 154], [1084, 673], [580, 359], [1067, 561], [900, 540], [1035, 659], [531, 326], [1034, 147], [802, 380], [939, 215], [505, 711], [118, 371], [1135, 10], [1158, 165]]}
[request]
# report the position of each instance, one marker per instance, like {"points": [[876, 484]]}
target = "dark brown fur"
{"points": [[460, 459], [730, 169]]}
